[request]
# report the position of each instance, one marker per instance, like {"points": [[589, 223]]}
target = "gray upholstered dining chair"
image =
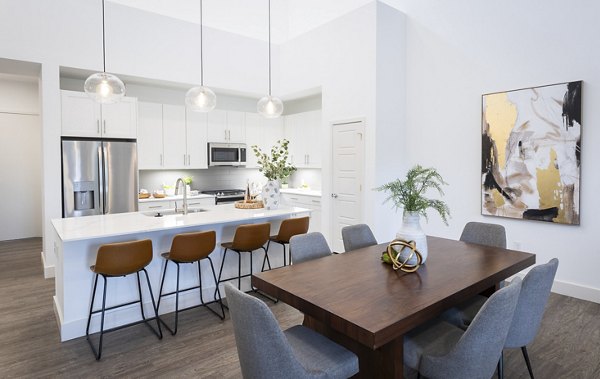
{"points": [[305, 247], [534, 295], [441, 350], [357, 236], [484, 234], [265, 351]]}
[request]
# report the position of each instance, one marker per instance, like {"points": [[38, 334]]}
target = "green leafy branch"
{"points": [[410, 193], [275, 166]]}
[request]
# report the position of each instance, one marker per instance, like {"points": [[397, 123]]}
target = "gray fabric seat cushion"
{"points": [[319, 355], [435, 338]]}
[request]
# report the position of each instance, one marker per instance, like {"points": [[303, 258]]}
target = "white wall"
{"points": [[458, 51], [20, 166]]}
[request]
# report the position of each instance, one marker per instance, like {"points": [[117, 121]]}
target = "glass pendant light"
{"points": [[201, 98], [103, 87], [270, 106]]}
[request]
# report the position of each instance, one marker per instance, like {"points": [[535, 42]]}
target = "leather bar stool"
{"points": [[121, 259], [289, 228], [190, 248], [247, 238]]}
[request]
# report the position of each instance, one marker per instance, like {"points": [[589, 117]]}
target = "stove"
{"points": [[226, 195]]}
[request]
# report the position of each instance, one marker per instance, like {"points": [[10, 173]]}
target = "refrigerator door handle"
{"points": [[101, 179], [106, 177]]}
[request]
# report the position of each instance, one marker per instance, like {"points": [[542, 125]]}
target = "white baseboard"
{"points": [[575, 290], [48, 270]]}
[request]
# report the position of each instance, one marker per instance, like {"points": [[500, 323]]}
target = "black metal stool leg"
{"points": [[137, 274], [526, 356], [176, 302], [265, 257], [240, 269], [221, 271], [98, 353], [159, 334], [162, 283], [217, 291], [284, 255], [87, 329]]}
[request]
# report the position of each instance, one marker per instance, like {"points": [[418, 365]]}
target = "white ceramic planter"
{"points": [[271, 195], [411, 231]]}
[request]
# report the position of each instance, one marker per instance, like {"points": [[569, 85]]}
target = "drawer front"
{"points": [[155, 206]]}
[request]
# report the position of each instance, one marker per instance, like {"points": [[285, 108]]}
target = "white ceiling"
{"points": [[289, 18]]}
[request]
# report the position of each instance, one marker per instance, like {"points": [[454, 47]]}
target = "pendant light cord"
{"points": [[269, 47], [201, 47], [103, 41]]}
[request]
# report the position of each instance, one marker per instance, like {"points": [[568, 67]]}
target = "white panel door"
{"points": [[196, 147], [217, 126], [80, 115], [150, 136], [347, 178], [119, 120], [174, 139]]}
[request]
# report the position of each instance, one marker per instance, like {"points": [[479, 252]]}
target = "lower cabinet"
{"points": [[305, 201], [155, 206]]}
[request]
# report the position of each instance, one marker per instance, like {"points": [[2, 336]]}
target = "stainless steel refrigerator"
{"points": [[99, 177]]}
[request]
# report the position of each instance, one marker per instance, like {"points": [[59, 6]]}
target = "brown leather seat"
{"points": [[247, 238], [190, 248], [289, 228], [121, 259]]}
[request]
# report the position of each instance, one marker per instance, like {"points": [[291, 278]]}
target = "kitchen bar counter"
{"points": [[77, 241]]}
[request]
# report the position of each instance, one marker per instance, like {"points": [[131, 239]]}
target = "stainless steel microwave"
{"points": [[226, 154]]}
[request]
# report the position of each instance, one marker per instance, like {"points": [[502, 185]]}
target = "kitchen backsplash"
{"points": [[223, 178]]}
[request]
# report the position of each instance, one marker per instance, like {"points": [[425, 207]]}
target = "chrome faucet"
{"points": [[185, 203]]}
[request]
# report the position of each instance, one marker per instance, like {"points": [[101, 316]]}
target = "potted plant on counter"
{"points": [[274, 167], [409, 194]]}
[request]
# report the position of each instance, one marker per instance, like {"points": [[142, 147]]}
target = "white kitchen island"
{"points": [[77, 241]]}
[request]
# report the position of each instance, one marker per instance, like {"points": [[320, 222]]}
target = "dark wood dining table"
{"points": [[363, 304]]}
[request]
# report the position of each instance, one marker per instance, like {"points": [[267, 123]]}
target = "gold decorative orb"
{"points": [[394, 252]]}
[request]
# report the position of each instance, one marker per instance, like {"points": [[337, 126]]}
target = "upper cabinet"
{"points": [[304, 132], [82, 117], [226, 126], [262, 132], [171, 137]]}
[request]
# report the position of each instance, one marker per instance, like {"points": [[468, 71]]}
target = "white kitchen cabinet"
{"points": [[304, 201], [196, 139], [174, 138], [156, 206], [171, 137], [262, 132], [226, 126], [82, 117], [196, 203], [304, 132], [150, 139]]}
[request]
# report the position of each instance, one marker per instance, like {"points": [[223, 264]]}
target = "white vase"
{"points": [[271, 195], [411, 231]]}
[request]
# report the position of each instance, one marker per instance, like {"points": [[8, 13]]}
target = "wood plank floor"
{"points": [[568, 345]]}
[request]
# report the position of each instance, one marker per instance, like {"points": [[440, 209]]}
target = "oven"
{"points": [[226, 196], [226, 154]]}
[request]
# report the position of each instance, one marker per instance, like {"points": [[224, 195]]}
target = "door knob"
{"points": [[334, 195]]}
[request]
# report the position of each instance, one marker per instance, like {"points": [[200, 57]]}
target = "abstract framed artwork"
{"points": [[531, 153]]}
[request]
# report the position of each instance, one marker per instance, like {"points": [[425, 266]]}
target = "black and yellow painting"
{"points": [[531, 153]]}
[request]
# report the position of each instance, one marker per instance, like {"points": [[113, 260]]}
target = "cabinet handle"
{"points": [[162, 162], [225, 134], [98, 126], [104, 122], [294, 198], [189, 160], [316, 201], [155, 207]]}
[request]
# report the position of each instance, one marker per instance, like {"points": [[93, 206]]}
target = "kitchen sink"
{"points": [[172, 212]]}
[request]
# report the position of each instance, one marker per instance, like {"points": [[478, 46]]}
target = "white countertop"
{"points": [[89, 227], [302, 191], [178, 197]]}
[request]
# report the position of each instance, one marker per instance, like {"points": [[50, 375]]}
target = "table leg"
{"points": [[385, 362]]}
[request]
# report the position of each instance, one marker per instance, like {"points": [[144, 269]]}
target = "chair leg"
{"points": [[221, 271], [240, 269], [174, 331], [526, 356], [501, 366], [87, 329], [285, 254], [218, 292], [137, 274], [265, 257], [162, 283], [159, 334], [98, 353]]}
